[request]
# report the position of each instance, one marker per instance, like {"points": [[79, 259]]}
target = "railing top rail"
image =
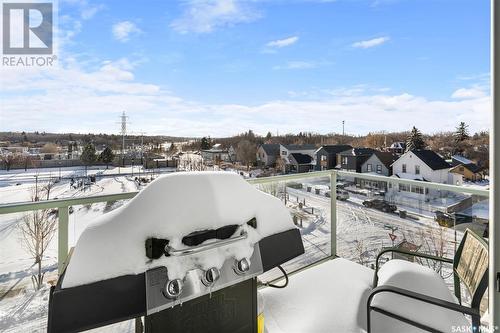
{"points": [[436, 186], [57, 203]]}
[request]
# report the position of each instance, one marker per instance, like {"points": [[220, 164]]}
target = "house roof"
{"points": [[386, 158], [301, 158], [271, 148], [300, 147], [334, 149], [398, 145], [472, 167], [460, 159], [433, 160], [358, 152]]}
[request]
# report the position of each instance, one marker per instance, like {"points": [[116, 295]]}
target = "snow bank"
{"points": [[171, 207]]}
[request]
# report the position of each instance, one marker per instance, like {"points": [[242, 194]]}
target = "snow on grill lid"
{"points": [[171, 207]]}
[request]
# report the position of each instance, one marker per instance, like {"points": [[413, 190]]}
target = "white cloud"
{"points": [[73, 99], [365, 44], [464, 93], [204, 16], [296, 65], [87, 12], [279, 43], [123, 30]]}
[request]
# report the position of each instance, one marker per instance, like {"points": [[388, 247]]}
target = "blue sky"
{"points": [[220, 67]]}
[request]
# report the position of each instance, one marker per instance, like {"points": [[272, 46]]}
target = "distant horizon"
{"points": [[274, 135]]}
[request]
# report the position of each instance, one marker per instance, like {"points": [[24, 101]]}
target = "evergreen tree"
{"points": [[269, 136], [172, 149], [461, 137], [205, 143], [88, 155], [415, 140], [462, 133], [107, 156]]}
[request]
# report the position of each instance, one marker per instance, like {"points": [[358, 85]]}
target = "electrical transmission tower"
{"points": [[123, 122]]}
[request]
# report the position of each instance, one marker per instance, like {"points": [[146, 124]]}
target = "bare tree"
{"points": [[360, 251], [37, 230], [49, 148], [246, 152], [434, 240]]}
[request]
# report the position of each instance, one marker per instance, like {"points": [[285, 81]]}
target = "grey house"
{"points": [[352, 159], [380, 163], [328, 156], [267, 154], [299, 162]]}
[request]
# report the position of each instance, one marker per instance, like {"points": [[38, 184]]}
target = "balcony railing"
{"points": [[331, 224]]}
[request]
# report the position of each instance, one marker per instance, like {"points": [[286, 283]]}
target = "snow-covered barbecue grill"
{"points": [[184, 253]]}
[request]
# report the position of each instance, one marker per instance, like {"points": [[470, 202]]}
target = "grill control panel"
{"points": [[163, 293]]}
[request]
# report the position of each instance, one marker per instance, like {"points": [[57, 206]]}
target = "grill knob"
{"points": [[210, 276], [242, 266], [173, 288]]}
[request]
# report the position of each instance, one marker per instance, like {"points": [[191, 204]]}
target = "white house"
{"points": [[397, 147], [218, 154], [426, 166]]}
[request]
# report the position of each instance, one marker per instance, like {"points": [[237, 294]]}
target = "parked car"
{"points": [[341, 194], [380, 204]]}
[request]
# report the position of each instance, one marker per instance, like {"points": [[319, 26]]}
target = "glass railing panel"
{"points": [[308, 200], [415, 216]]}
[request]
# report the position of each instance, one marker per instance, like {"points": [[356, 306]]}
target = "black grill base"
{"points": [[232, 310]]}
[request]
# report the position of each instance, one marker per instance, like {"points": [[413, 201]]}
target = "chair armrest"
{"points": [[419, 297], [411, 253]]}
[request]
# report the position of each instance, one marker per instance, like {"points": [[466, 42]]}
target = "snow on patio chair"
{"points": [[407, 296]]}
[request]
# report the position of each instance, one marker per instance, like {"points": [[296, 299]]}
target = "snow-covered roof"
{"points": [[171, 207], [461, 159]]}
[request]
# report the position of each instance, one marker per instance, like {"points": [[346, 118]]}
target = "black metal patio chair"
{"points": [[470, 268]]}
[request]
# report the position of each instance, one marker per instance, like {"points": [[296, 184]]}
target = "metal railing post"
{"points": [[62, 237], [333, 214], [494, 223]]}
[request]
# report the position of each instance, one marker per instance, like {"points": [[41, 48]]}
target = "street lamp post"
{"points": [[36, 187]]}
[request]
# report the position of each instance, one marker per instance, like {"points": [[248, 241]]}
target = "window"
{"points": [[283, 152], [417, 169], [369, 167], [404, 168], [417, 189], [404, 187], [379, 168], [323, 157], [344, 160]]}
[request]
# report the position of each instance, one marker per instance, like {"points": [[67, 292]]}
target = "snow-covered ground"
{"points": [[21, 308], [361, 233]]}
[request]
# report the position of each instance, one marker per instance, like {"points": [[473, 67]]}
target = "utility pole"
{"points": [[343, 131]]}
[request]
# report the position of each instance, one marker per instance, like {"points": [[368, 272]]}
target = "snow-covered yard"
{"points": [[361, 234]]}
